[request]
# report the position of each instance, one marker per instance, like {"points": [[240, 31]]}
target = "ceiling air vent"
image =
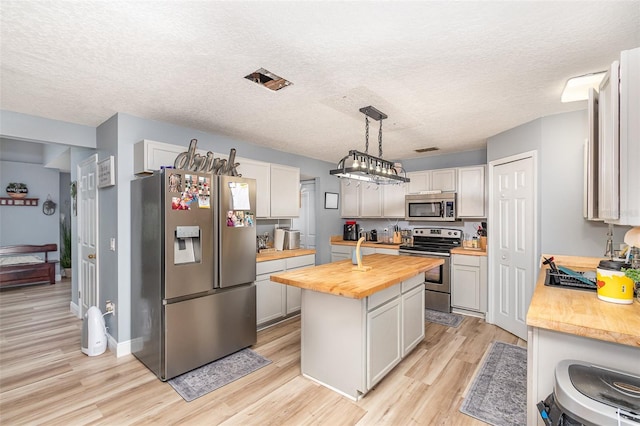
{"points": [[431, 148], [268, 79]]}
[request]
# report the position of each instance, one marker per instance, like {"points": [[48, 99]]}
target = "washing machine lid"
{"points": [[612, 388]]}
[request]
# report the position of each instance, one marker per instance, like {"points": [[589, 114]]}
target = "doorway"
{"points": [[306, 222], [512, 240]]}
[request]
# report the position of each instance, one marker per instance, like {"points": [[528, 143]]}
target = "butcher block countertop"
{"points": [[580, 312], [340, 279], [469, 252], [283, 254]]}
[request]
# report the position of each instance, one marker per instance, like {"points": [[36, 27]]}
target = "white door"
{"points": [[87, 234], [512, 245], [306, 222]]}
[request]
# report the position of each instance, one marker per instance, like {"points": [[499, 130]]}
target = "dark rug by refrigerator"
{"points": [[444, 318], [201, 381], [498, 393]]}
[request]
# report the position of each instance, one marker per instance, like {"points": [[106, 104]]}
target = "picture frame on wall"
{"points": [[330, 200], [106, 173]]}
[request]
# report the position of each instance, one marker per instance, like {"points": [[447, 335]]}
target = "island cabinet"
{"points": [[274, 301], [469, 283], [360, 339]]}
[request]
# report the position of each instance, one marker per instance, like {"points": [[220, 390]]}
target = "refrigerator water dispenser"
{"points": [[187, 245]]}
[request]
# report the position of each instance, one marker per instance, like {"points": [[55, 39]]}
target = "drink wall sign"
{"points": [[192, 161]]}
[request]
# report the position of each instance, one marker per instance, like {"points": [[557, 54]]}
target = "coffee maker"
{"points": [[351, 231]]}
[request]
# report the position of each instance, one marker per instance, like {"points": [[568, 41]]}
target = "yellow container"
{"points": [[613, 285]]}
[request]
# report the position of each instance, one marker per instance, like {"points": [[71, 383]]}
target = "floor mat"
{"points": [[444, 318], [209, 377], [498, 393]]}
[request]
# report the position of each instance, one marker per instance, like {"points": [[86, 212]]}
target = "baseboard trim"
{"points": [[75, 309], [118, 348]]}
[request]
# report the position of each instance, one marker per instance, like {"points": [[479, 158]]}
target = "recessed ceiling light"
{"points": [[268, 79], [577, 88], [431, 148]]}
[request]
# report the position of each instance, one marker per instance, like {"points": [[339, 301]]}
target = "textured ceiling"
{"points": [[448, 74]]}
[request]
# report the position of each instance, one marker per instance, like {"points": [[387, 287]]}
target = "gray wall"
{"points": [[559, 141], [28, 224], [442, 161]]}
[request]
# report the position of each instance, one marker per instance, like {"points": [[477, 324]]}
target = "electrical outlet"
{"points": [[110, 307]]}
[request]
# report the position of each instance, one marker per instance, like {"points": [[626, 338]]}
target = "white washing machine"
{"points": [[592, 395]]}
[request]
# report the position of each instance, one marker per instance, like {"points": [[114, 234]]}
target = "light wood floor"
{"points": [[45, 378]]}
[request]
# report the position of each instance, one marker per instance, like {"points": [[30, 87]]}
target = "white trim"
{"points": [[119, 349], [491, 219], [75, 309]]}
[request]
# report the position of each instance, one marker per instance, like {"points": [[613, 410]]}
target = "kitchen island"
{"points": [[575, 324], [357, 326]]}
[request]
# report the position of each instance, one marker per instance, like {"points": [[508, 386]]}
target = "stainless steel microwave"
{"points": [[430, 207]]}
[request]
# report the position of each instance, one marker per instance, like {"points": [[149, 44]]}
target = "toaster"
{"points": [[291, 240]]}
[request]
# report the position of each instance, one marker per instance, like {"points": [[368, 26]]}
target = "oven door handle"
{"points": [[424, 253]]}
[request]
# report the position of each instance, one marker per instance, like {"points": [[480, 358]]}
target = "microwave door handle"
{"points": [[443, 211]]}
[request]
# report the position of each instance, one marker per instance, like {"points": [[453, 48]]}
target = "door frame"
{"points": [[491, 253]]}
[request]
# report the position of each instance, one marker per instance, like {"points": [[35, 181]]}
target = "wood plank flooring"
{"points": [[45, 378]]}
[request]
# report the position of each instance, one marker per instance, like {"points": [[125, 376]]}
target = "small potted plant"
{"points": [[17, 190], [65, 254]]}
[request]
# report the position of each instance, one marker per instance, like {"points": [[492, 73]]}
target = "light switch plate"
{"points": [[112, 244]]}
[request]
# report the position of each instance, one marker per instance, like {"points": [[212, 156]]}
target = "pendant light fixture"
{"points": [[368, 168]]}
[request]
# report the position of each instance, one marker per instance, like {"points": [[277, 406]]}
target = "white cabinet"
{"points": [[370, 200], [443, 179], [285, 191], [270, 296], [471, 192], [350, 344], [419, 181], [619, 150], [276, 301], [469, 282], [150, 155], [350, 199], [342, 252], [393, 200], [432, 180], [339, 252], [261, 172], [383, 340], [412, 305]]}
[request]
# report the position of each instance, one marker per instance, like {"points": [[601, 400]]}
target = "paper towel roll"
{"points": [[278, 239]]}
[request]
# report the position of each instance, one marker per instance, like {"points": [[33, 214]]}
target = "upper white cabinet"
{"points": [[370, 200], [285, 191], [471, 192], [350, 199], [150, 155], [393, 200], [419, 181], [619, 150], [432, 180], [444, 179], [261, 172]]}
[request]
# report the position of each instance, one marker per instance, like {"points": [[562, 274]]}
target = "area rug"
{"points": [[498, 393], [201, 381], [444, 318]]}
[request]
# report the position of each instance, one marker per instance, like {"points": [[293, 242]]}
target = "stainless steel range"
{"points": [[435, 242]]}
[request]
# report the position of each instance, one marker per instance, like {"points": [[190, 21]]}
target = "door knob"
{"points": [[91, 256], [504, 257]]}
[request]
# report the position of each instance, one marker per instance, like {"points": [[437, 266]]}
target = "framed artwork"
{"points": [[330, 200], [106, 174]]}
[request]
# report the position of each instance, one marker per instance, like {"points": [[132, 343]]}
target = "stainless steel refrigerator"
{"points": [[193, 268]]}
